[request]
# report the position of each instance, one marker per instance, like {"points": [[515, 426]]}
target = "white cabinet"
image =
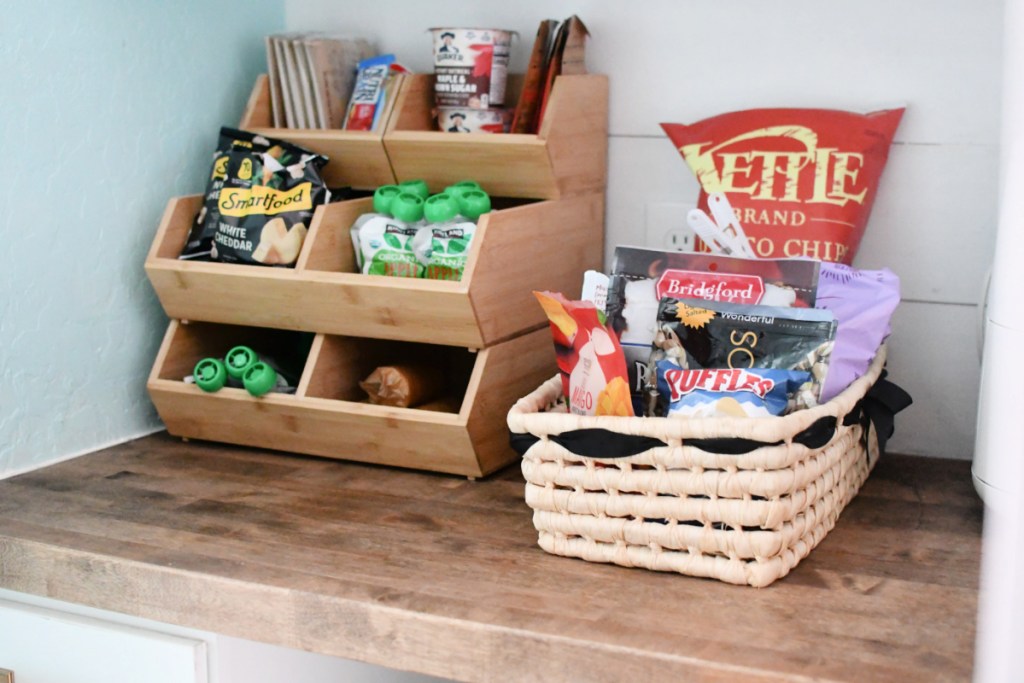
{"points": [[48, 646], [47, 641]]}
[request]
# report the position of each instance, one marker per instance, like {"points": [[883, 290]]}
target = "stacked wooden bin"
{"points": [[487, 332]]}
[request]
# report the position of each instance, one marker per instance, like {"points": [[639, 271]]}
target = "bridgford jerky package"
{"points": [[802, 181], [696, 334], [259, 201], [641, 277], [589, 358]]}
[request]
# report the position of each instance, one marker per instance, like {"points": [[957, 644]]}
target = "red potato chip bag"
{"points": [[590, 360], [801, 181]]}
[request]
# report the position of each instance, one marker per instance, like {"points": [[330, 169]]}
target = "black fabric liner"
{"points": [[879, 407]]}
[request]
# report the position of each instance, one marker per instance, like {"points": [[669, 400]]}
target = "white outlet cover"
{"points": [[665, 226]]}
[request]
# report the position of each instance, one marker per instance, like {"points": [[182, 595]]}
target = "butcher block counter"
{"points": [[442, 575]]}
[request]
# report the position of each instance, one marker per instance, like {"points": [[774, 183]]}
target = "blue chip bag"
{"points": [[727, 392]]}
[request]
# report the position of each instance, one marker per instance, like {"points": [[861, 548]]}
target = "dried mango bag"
{"points": [[589, 357]]}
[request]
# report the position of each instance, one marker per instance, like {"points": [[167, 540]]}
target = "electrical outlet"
{"points": [[666, 228]]}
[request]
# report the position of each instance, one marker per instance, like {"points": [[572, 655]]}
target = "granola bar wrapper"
{"points": [[801, 181], [590, 360]]}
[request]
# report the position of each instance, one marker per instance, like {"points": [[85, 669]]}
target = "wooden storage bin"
{"points": [[567, 156], [546, 230], [357, 158], [531, 245], [462, 432]]}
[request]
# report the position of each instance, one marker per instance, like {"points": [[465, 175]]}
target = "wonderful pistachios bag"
{"points": [[695, 334], [259, 201]]}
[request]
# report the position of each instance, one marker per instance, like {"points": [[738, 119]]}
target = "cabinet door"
{"points": [[46, 646]]}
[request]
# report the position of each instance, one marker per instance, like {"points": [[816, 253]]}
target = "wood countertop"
{"points": [[442, 575]]}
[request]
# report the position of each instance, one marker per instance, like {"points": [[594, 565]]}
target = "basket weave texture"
{"points": [[745, 519]]}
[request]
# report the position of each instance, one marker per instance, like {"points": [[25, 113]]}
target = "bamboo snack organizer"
{"points": [[567, 156], [335, 325], [537, 245], [461, 432], [357, 157]]}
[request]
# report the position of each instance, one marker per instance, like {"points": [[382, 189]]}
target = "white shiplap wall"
{"points": [[933, 223]]}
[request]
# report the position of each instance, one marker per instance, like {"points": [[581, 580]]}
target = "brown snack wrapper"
{"points": [[403, 386]]}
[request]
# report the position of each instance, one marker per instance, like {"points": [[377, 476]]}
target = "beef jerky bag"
{"points": [[259, 201], [698, 334]]}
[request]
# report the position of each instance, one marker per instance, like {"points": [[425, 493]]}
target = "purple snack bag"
{"points": [[863, 302]]}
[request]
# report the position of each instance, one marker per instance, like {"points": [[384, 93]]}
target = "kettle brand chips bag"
{"points": [[801, 181], [259, 201]]}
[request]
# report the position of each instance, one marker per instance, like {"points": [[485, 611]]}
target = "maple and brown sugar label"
{"points": [[801, 181], [470, 66]]}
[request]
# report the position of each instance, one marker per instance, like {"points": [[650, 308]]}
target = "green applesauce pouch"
{"points": [[444, 250], [385, 246]]}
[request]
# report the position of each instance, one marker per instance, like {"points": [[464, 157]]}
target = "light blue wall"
{"points": [[107, 109]]}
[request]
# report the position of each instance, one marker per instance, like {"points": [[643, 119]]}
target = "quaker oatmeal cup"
{"points": [[469, 120], [470, 66]]}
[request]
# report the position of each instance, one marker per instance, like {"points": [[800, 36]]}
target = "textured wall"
{"points": [[933, 223], [107, 110]]}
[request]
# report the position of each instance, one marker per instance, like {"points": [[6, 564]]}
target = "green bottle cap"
{"points": [[210, 374], [238, 360], [407, 207], [440, 208], [259, 379], [474, 203], [417, 187], [383, 196], [462, 186]]}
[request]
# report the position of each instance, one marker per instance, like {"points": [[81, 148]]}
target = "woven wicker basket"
{"points": [[741, 500]]}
